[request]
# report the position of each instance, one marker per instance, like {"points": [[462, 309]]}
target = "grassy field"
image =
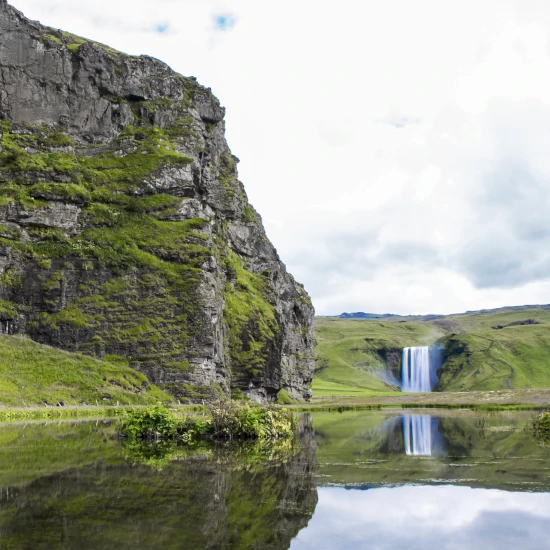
{"points": [[481, 357], [484, 351], [33, 374]]}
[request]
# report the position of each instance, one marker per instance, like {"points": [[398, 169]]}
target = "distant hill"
{"points": [[434, 316], [363, 315], [392, 316]]}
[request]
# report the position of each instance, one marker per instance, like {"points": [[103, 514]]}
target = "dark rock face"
{"points": [[124, 230], [392, 358]]}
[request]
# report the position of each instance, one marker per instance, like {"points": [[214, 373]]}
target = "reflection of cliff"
{"points": [[190, 504]]}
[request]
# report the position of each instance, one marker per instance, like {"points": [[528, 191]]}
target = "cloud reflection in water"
{"points": [[426, 517]]}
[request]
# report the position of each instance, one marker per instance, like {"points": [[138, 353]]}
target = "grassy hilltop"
{"points": [[500, 349]]}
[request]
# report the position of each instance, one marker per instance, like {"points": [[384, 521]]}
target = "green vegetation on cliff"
{"points": [[125, 233], [504, 349], [34, 374], [136, 271], [249, 317]]}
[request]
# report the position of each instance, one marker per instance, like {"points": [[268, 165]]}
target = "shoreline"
{"points": [[529, 399]]}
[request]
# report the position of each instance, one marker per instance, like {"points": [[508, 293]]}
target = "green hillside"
{"points": [[34, 374], [360, 357], [480, 357], [483, 351]]}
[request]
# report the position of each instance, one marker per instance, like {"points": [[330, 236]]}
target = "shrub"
{"points": [[236, 393], [235, 420], [227, 420], [150, 423]]}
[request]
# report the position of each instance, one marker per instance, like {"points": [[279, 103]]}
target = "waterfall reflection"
{"points": [[417, 435]]}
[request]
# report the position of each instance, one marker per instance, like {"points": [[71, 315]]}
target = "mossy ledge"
{"points": [[125, 233]]}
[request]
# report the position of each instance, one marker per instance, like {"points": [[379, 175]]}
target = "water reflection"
{"points": [[478, 450], [352, 480], [157, 497], [427, 518], [417, 433]]}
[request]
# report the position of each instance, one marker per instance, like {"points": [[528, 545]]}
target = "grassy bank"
{"points": [[34, 374], [499, 400], [57, 413], [528, 399]]}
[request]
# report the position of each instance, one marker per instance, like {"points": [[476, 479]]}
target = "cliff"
{"points": [[125, 233]]}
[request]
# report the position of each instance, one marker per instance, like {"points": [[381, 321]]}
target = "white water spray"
{"points": [[419, 368], [417, 434]]}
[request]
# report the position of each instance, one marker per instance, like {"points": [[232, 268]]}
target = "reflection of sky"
{"points": [[424, 518]]}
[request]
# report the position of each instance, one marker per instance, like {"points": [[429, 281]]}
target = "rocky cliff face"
{"points": [[124, 230]]}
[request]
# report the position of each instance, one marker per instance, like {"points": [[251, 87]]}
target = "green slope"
{"points": [[361, 357], [483, 351], [480, 357], [34, 374]]}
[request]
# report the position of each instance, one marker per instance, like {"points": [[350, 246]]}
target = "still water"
{"points": [[375, 480]]}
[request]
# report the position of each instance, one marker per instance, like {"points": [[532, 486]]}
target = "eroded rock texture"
{"points": [[124, 230]]}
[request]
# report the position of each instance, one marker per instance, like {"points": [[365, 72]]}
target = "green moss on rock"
{"points": [[251, 320]]}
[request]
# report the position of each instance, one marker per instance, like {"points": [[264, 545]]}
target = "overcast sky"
{"points": [[398, 151], [420, 517]]}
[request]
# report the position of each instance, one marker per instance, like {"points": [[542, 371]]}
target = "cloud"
{"points": [[399, 163], [418, 517], [399, 121]]}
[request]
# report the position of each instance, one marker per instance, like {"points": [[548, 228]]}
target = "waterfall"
{"points": [[418, 369], [417, 434]]}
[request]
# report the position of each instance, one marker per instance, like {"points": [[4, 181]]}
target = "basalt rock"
{"points": [[124, 230]]}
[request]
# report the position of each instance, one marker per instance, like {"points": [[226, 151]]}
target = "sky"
{"points": [[398, 152], [419, 517]]}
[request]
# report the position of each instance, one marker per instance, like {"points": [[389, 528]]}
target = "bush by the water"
{"points": [[540, 428], [225, 420], [150, 423]]}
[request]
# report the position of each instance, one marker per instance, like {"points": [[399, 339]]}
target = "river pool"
{"points": [[376, 480]]}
